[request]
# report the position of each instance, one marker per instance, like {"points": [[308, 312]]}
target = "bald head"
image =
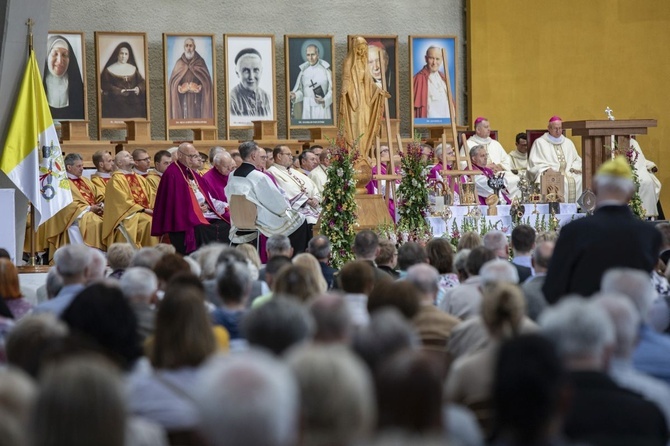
{"points": [[188, 155], [224, 163], [124, 160]]}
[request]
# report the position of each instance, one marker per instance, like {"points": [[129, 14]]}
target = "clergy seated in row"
{"points": [[553, 152], [302, 194], [104, 164], [204, 166], [217, 177], [269, 160], [187, 209], [162, 160], [519, 156], [436, 172], [478, 159], [380, 186], [274, 214], [81, 220], [142, 161], [308, 161], [128, 206], [650, 186], [497, 158], [319, 175]]}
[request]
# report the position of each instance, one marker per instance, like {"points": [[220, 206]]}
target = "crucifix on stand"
{"points": [[466, 190]]}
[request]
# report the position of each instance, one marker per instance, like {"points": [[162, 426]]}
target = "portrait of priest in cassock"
{"points": [[190, 86], [185, 206]]}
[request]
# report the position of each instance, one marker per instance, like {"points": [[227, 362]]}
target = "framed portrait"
{"points": [[387, 48], [190, 81], [64, 76], [122, 73], [310, 81], [250, 79], [429, 104]]}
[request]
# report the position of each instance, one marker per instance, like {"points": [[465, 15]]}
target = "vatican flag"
{"points": [[32, 157]]}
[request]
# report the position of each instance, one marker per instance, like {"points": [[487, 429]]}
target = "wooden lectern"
{"points": [[596, 135], [74, 131]]}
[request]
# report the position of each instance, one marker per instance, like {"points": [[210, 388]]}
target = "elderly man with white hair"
{"points": [[612, 237], [433, 325], [497, 158], [463, 300], [601, 412], [73, 263], [626, 322], [140, 286], [497, 242], [652, 355], [248, 399], [97, 270]]}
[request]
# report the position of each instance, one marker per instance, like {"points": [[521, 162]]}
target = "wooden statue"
{"points": [[361, 101]]}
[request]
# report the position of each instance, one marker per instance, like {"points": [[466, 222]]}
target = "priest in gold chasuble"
{"points": [[128, 206], [81, 220]]}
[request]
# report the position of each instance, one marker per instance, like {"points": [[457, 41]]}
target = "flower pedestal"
{"points": [[372, 211]]}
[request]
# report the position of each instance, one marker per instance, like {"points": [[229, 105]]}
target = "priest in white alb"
{"points": [[319, 175], [519, 156], [650, 186], [301, 192], [497, 158], [553, 152]]}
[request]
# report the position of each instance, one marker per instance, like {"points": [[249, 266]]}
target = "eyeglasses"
{"points": [[143, 160], [286, 153], [194, 156]]}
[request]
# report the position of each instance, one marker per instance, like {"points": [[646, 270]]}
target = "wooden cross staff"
{"points": [[390, 176], [456, 172]]}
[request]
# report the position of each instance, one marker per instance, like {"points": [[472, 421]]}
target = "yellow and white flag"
{"points": [[32, 157]]}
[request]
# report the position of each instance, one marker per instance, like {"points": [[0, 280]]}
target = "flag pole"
{"points": [[33, 231]]}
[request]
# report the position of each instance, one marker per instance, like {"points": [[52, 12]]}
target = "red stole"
{"points": [[84, 190], [136, 190]]}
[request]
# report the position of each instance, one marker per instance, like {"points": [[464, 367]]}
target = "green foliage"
{"points": [[338, 214], [413, 205]]}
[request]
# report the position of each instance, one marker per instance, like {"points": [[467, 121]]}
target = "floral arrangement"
{"points": [[631, 155], [387, 231], [413, 196], [338, 214], [482, 226]]}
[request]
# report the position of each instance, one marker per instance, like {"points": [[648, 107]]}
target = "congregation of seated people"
{"points": [[531, 339]]}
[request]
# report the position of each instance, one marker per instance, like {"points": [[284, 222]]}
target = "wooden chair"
{"points": [[469, 133], [243, 215], [532, 135]]}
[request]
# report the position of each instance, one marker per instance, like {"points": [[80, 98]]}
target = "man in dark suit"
{"points": [[532, 288], [612, 237], [366, 247], [523, 242], [497, 242], [319, 247]]}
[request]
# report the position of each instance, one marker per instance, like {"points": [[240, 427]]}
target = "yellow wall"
{"points": [[529, 60]]}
